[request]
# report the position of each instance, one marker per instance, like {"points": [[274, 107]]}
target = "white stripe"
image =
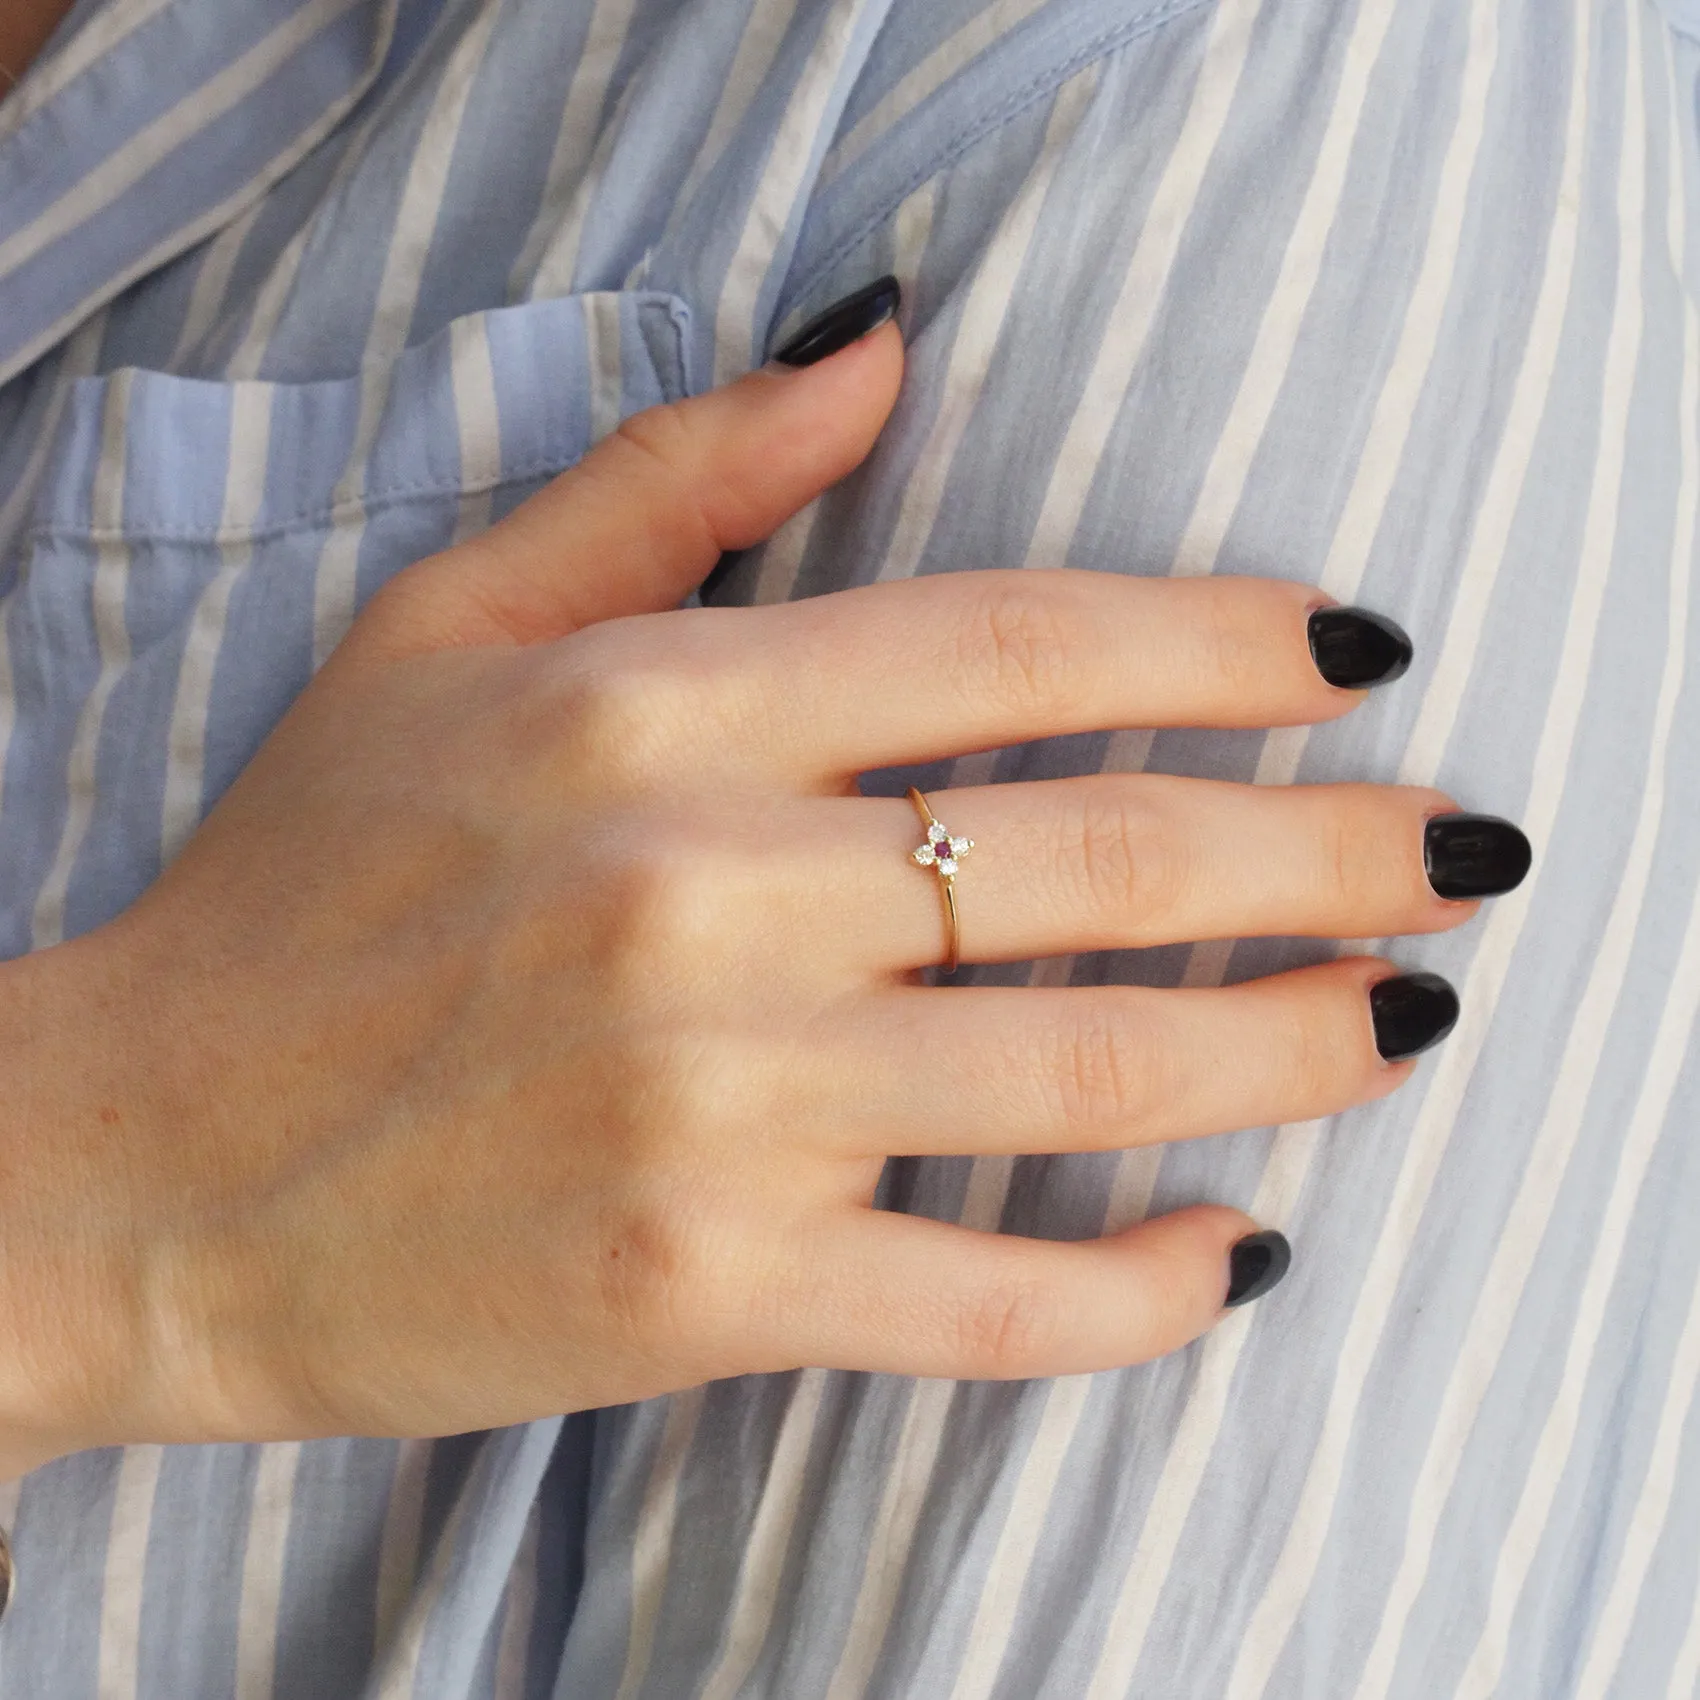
{"points": [[79, 360], [1659, 1082], [762, 1566], [48, 77], [913, 1460], [1660, 1486], [126, 166], [398, 1546], [396, 1665], [782, 559], [186, 738], [478, 423], [1301, 1551], [1396, 406], [1682, 1003], [1128, 328], [1525, 1228], [1293, 1147], [111, 582], [977, 335], [1685, 1673], [270, 1510], [1284, 315], [555, 230], [515, 1643], [758, 46], [82, 353], [980, 33], [334, 585], [1012, 1559], [771, 207], [126, 1572], [1189, 1452], [212, 286], [272, 294], [652, 1536], [607, 371]]}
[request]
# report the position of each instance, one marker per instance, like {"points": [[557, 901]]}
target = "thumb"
{"points": [[644, 517]]}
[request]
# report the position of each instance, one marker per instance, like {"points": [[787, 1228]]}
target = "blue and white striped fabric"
{"points": [[1393, 296]]}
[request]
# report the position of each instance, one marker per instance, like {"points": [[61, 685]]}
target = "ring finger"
{"points": [[1116, 861]]}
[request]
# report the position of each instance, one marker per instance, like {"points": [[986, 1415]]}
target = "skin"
{"points": [[527, 1027], [25, 26]]}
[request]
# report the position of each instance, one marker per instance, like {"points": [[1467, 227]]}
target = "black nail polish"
{"points": [[1411, 1013], [843, 323], [1354, 648], [1255, 1264], [1474, 855]]}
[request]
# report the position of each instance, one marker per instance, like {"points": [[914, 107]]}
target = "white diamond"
{"points": [[946, 866], [937, 833], [925, 856]]}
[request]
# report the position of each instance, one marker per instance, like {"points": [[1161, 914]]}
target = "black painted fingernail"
{"points": [[1474, 855], [1355, 648], [843, 323], [1255, 1264], [1411, 1013]]}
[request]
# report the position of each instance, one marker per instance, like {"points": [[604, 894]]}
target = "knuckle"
{"points": [[661, 896], [1106, 1078], [1322, 1055], [1008, 1329], [702, 492], [657, 1266], [1368, 852], [622, 716], [1021, 643], [1237, 647], [1119, 857]]}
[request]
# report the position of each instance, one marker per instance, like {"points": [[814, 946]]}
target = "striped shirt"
{"points": [[1397, 297]]}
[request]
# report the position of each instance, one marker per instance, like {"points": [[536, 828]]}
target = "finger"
{"points": [[915, 670], [900, 1295], [1095, 1068], [641, 520], [1105, 862]]}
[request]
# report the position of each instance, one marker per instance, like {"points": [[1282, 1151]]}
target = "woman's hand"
{"points": [[526, 1029]]}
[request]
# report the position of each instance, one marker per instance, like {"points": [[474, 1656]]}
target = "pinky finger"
{"points": [[903, 1295]]}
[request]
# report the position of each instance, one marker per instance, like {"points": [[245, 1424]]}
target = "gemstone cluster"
{"points": [[941, 851]]}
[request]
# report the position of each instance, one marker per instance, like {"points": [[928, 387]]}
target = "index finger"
{"points": [[933, 667]]}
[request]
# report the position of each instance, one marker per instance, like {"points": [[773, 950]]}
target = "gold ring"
{"points": [[941, 852]]}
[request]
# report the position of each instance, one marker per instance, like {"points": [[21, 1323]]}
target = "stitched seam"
{"points": [[1008, 109], [394, 495], [330, 514]]}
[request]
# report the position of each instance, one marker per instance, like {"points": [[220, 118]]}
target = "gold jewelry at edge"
{"points": [[941, 852], [11, 79]]}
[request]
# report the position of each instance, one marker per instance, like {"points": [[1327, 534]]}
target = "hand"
{"points": [[527, 1027]]}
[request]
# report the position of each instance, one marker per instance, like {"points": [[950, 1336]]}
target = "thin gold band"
{"points": [[946, 880]]}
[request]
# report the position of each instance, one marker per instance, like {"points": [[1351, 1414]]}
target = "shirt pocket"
{"points": [[199, 547]]}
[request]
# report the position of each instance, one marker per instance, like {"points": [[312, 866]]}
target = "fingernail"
{"points": [[843, 323], [1411, 1012], [1255, 1264], [1355, 648], [1474, 855]]}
